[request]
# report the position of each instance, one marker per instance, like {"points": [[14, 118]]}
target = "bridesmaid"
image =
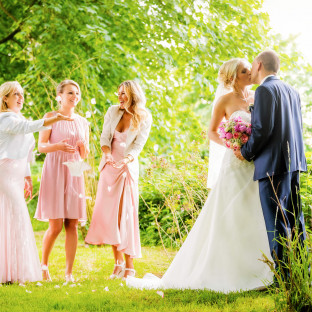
{"points": [[62, 196], [19, 260], [115, 216]]}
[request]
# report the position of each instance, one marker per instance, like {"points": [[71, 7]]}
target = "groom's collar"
{"points": [[265, 78]]}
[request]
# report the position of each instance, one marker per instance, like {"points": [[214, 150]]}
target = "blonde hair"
{"points": [[136, 100], [228, 72], [5, 90], [64, 83]]}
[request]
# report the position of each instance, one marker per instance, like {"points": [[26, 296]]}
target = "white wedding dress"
{"points": [[223, 249]]}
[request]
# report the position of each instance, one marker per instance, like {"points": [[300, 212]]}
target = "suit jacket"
{"points": [[276, 142], [135, 142]]}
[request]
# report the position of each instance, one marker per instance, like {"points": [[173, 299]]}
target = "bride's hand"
{"points": [[238, 154]]}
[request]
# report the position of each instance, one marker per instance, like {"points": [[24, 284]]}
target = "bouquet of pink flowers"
{"points": [[234, 132]]}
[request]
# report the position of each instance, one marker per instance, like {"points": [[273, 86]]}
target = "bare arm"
{"points": [[43, 143], [51, 119], [217, 116], [83, 146]]}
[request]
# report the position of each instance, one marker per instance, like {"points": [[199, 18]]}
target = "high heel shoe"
{"points": [[130, 270], [69, 278], [47, 277], [119, 274]]}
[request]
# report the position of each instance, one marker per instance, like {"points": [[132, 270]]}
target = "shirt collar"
{"points": [[265, 78]]}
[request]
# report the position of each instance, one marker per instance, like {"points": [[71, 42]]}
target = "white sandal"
{"points": [[119, 274], [130, 270], [69, 278], [44, 268]]}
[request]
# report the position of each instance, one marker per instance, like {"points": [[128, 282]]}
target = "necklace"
{"points": [[244, 98]]}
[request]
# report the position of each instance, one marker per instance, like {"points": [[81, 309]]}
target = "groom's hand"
{"points": [[238, 154]]}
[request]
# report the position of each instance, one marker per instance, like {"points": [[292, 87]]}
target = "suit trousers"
{"points": [[281, 204]]}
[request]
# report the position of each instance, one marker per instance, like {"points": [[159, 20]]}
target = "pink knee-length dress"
{"points": [[61, 195], [114, 183]]}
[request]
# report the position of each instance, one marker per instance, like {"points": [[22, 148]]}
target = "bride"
{"points": [[223, 250]]}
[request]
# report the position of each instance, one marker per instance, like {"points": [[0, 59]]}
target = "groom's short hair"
{"points": [[269, 60]]}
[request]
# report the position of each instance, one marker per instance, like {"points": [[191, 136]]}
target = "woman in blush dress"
{"points": [[115, 217], [222, 252], [19, 261], [61, 195]]}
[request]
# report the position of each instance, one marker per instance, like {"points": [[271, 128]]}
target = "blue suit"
{"points": [[277, 149]]}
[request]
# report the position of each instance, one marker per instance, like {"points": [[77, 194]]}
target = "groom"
{"points": [[276, 147]]}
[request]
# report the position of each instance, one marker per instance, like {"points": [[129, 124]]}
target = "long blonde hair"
{"points": [[5, 90], [136, 100], [228, 72]]}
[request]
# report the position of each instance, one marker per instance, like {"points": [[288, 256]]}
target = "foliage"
{"points": [[295, 290], [173, 191], [306, 191], [92, 269], [174, 49]]}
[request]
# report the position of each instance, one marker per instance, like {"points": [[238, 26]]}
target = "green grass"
{"points": [[92, 268]]}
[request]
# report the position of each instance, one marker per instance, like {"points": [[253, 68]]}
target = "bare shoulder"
{"points": [[224, 100], [49, 114]]}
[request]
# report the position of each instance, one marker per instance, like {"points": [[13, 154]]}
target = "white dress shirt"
{"points": [[265, 78]]}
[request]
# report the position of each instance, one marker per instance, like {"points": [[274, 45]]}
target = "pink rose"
{"points": [[242, 128], [222, 135], [248, 131], [236, 135], [228, 135], [244, 138], [237, 128]]}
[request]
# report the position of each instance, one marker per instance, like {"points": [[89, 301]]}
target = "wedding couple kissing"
{"points": [[254, 199]]}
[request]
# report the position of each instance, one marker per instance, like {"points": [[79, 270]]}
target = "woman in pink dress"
{"points": [[115, 217], [19, 260], [62, 196]]}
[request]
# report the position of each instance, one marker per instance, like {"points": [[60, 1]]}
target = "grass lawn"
{"points": [[95, 292]]}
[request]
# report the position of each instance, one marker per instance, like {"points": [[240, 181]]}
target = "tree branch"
{"points": [[11, 35], [19, 27], [6, 12]]}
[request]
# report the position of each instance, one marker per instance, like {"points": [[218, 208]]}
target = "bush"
{"points": [[172, 193]]}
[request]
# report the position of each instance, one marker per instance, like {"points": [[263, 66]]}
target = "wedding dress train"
{"points": [[223, 250]]}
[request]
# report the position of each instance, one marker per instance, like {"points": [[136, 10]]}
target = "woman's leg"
{"points": [[129, 265], [118, 256], [71, 241], [55, 227]]}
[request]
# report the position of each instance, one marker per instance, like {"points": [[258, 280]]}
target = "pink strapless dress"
{"points": [[61, 195], [19, 260], [112, 184]]}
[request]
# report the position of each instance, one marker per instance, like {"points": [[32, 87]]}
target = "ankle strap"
{"points": [[131, 270], [119, 265], [44, 267]]}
